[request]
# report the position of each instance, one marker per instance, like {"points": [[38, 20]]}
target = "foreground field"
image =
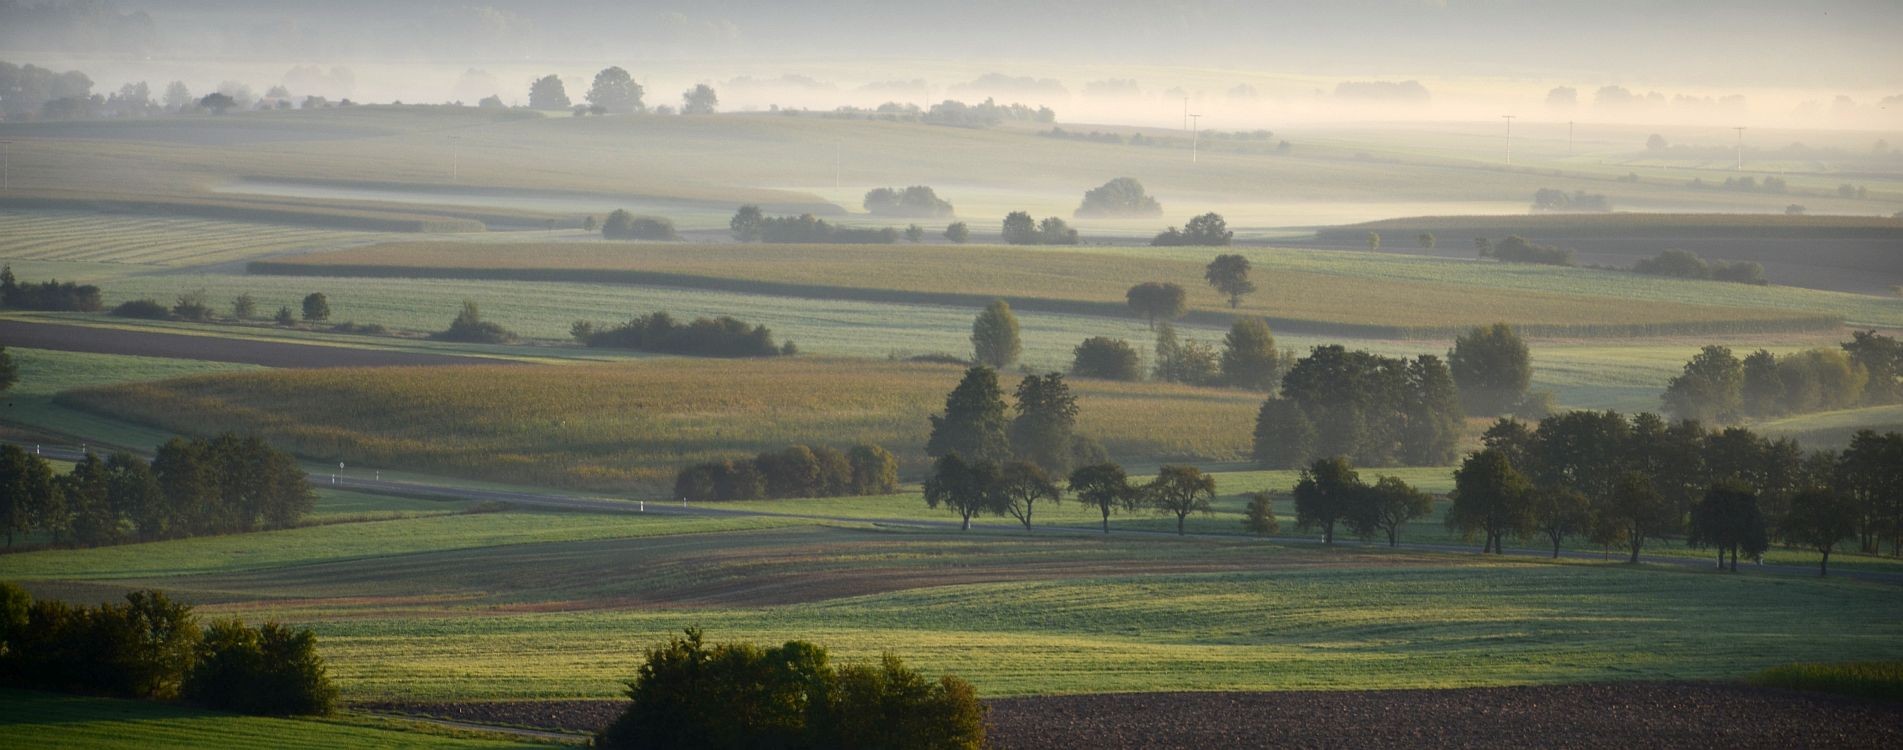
{"points": [[628, 426], [1066, 280]]}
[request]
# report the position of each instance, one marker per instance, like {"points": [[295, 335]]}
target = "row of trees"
{"points": [[1331, 493], [1685, 264], [151, 647], [51, 294], [621, 225], [1517, 249], [1622, 482], [1020, 229], [1040, 428], [704, 337], [732, 695], [1717, 386], [1248, 359], [1372, 409], [1206, 230], [1578, 201], [749, 224], [224, 485], [794, 471], [971, 488]]}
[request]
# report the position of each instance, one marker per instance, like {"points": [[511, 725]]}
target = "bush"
{"points": [[958, 232], [874, 470], [657, 332], [1107, 358], [807, 228], [622, 225], [1676, 263], [139, 649], [690, 694], [270, 670], [794, 471], [1020, 229], [1517, 249], [1207, 230], [469, 327], [142, 308]]}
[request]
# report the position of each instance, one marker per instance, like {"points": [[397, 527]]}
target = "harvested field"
{"points": [[1681, 715], [26, 335]]}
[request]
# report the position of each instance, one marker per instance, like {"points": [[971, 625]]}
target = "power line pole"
{"points": [[1509, 119], [1740, 130], [1194, 122]]}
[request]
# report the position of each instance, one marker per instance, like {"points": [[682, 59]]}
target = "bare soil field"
{"points": [[1628, 715], [66, 338]]}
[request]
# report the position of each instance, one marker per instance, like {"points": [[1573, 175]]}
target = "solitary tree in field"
{"points": [[1249, 358], [1105, 487], [1229, 274], [1020, 229], [974, 424], [1259, 517], [1492, 368], [1560, 513], [1634, 511], [615, 91], [1374, 241], [316, 307], [1180, 491], [1157, 300], [1490, 498], [1046, 418], [699, 100], [1819, 519], [994, 336], [1387, 506], [548, 92], [963, 487], [1426, 239], [1020, 485], [958, 232], [1326, 495]]}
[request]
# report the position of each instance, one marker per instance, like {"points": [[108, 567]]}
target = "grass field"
{"points": [[153, 240], [627, 426], [45, 373], [44, 721], [1072, 281]]}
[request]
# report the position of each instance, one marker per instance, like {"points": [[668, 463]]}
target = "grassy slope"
{"points": [[44, 373], [45, 721], [1070, 281]]}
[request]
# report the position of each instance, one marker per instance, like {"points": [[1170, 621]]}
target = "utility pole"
{"points": [[1194, 121], [455, 158], [6, 165], [1509, 119], [1740, 130]]}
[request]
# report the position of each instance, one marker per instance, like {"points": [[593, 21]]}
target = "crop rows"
{"points": [[152, 240]]}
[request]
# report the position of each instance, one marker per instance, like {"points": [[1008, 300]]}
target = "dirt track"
{"points": [[67, 338], [1628, 715]]}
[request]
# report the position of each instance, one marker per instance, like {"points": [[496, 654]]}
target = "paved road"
{"points": [[596, 504]]}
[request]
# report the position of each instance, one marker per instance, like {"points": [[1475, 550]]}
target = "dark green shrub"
{"points": [[269, 670], [1107, 358], [142, 308]]}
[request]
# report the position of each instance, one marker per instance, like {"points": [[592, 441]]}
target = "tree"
{"points": [[132, 492], [316, 307], [1122, 196], [994, 336], [1229, 274], [1054, 231], [973, 425], [270, 670], [1249, 358], [1046, 417], [1188, 361], [1710, 389], [963, 487], [1492, 368], [1020, 229], [548, 92], [1327, 494], [792, 471], [1426, 240], [1181, 490], [218, 102], [1208, 230], [615, 91], [177, 96], [874, 470], [1728, 519], [958, 232], [1761, 387], [1156, 300], [1259, 517], [1284, 437], [9, 372], [1560, 513], [699, 100], [284, 317], [1374, 241], [1870, 474], [745, 224], [26, 487], [244, 307], [1490, 497], [1020, 485], [1386, 507], [589, 224], [471, 328], [1105, 487], [1634, 512], [915, 234], [1106, 358], [1656, 142], [1819, 519]]}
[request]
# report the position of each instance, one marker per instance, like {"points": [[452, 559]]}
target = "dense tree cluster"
{"points": [[469, 327], [1622, 482], [972, 488], [1373, 410], [1517, 249], [50, 295], [699, 100], [750, 225], [1122, 196], [1684, 264], [689, 693], [192, 487], [1716, 386], [152, 647], [793, 471], [1020, 229], [703, 337], [621, 225], [915, 202], [1038, 429], [1578, 201], [985, 114], [1331, 493], [1206, 230], [29, 90]]}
